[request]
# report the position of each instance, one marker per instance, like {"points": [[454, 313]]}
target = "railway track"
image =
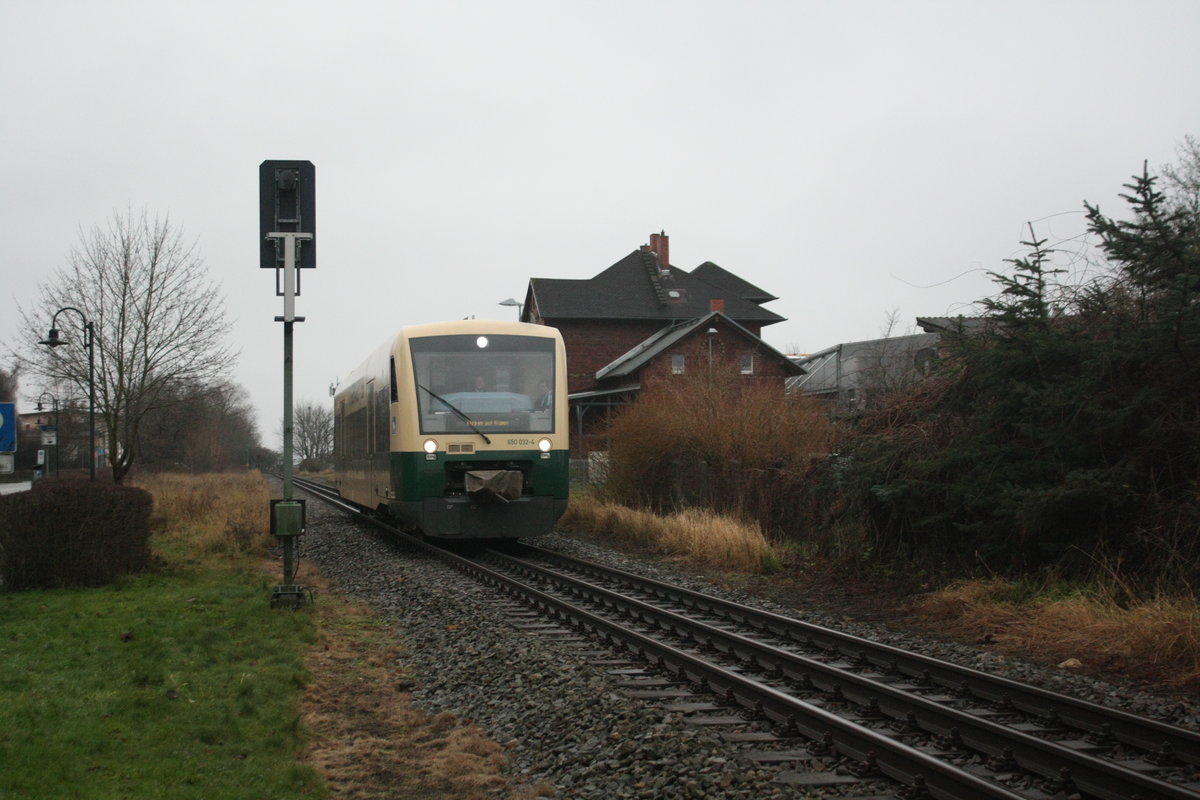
{"points": [[939, 729]]}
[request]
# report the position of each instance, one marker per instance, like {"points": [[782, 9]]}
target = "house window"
{"points": [[677, 364], [747, 363]]}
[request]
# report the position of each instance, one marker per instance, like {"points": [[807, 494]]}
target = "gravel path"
{"points": [[565, 721]]}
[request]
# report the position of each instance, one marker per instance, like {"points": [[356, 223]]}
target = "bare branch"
{"points": [[159, 322]]}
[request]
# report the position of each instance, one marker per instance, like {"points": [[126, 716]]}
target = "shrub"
{"points": [[1064, 432], [715, 440], [73, 533]]}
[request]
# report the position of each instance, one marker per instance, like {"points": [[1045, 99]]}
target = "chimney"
{"points": [[716, 304], [660, 246]]}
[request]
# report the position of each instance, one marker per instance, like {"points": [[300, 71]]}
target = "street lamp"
{"points": [[57, 452], [89, 341], [512, 302]]}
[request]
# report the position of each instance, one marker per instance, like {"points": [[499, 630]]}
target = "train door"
{"points": [[372, 463], [339, 440], [370, 418]]}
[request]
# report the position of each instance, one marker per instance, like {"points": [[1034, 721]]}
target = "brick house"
{"points": [[642, 320]]}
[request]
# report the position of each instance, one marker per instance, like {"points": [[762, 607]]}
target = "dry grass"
{"points": [[1156, 639], [703, 536], [714, 439], [367, 738], [226, 512]]}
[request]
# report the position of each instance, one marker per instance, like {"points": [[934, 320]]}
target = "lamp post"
{"points": [[57, 451], [89, 341], [512, 302]]}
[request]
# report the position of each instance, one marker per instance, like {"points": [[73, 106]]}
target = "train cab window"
{"points": [[490, 384]]}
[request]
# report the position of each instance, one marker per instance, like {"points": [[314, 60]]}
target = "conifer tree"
{"points": [[1068, 430]]}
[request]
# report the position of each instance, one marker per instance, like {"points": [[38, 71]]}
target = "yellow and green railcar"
{"points": [[458, 429]]}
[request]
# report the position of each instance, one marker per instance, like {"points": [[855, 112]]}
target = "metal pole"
{"points": [[288, 515], [289, 315], [91, 343], [289, 569]]}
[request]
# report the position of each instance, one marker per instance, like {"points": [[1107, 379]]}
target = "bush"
{"points": [[73, 533], [1064, 433], [714, 440]]}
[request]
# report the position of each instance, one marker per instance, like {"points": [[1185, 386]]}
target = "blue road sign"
{"points": [[8, 428]]}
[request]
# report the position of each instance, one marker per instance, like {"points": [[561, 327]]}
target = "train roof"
{"points": [[462, 326], [477, 326]]}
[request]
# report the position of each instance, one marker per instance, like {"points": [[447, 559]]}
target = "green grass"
{"points": [[179, 684]]}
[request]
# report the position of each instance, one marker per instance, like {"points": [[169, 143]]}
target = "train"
{"points": [[458, 430]]}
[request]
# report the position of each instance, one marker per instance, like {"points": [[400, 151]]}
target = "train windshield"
{"points": [[484, 383]]}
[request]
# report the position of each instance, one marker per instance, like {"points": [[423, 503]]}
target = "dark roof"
{"points": [[629, 363], [731, 284], [955, 325], [635, 288]]}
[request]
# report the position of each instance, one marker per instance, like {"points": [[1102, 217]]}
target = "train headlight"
{"points": [[544, 445], [430, 446]]}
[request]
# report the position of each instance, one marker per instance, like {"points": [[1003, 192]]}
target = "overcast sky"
{"points": [[854, 159]]}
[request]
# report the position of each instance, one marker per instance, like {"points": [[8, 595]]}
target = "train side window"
{"points": [[395, 390]]}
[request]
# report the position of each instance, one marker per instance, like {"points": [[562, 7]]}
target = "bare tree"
{"points": [[1182, 179], [312, 433], [205, 428], [159, 322], [8, 385]]}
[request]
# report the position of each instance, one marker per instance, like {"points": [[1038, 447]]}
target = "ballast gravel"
{"points": [[1126, 698], [562, 718]]}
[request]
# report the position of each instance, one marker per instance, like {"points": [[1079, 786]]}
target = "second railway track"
{"points": [[938, 729]]}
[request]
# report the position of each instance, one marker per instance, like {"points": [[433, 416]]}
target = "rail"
{"points": [[763, 667]]}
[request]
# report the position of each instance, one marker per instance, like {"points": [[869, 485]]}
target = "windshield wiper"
{"points": [[457, 412]]}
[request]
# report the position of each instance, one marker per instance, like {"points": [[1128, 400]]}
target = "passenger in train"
{"points": [[545, 398]]}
